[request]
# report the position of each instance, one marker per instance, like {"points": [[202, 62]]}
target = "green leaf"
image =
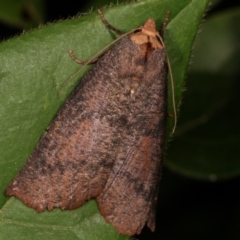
{"points": [[207, 138], [83, 223], [35, 79]]}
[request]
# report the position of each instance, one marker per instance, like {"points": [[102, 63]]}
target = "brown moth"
{"points": [[107, 141]]}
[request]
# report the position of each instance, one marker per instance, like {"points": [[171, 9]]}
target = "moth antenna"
{"points": [[173, 95], [167, 14], [79, 61], [107, 24], [171, 77]]}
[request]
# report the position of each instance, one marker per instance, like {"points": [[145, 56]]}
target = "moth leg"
{"points": [[167, 14], [107, 24], [79, 61]]}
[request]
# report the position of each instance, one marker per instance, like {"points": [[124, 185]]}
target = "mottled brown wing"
{"points": [[71, 162], [129, 197], [73, 159]]}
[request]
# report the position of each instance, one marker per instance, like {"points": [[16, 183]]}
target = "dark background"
{"points": [[63, 9], [188, 208]]}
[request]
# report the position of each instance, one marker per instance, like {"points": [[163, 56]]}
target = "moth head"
{"points": [[147, 34]]}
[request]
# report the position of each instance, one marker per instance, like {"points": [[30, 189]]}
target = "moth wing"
{"points": [[128, 200], [129, 197], [72, 160]]}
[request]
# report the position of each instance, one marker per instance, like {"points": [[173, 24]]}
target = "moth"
{"points": [[107, 141]]}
